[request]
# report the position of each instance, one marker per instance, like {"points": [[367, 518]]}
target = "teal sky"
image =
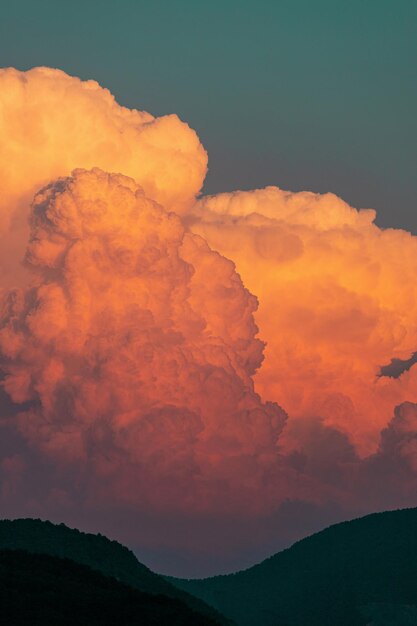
{"points": [[304, 94]]}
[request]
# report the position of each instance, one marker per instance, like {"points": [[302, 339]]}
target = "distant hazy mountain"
{"points": [[357, 573], [44, 590], [97, 552]]}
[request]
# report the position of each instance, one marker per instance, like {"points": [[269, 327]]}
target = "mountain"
{"points": [[97, 552], [42, 590], [357, 573]]}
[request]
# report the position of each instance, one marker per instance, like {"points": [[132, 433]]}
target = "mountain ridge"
{"points": [[341, 575], [96, 551], [39, 589]]}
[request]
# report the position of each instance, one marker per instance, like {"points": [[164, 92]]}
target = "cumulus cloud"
{"points": [[337, 300], [51, 123], [148, 339], [135, 347]]}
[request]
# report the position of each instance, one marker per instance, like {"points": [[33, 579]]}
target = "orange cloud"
{"points": [[135, 347], [337, 300], [130, 356], [51, 123]]}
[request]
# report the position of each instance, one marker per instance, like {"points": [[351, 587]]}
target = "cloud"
{"points": [[397, 367], [51, 123], [149, 339], [134, 350], [337, 299], [397, 449]]}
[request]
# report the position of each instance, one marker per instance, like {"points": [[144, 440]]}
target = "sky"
{"points": [[206, 350], [304, 95]]}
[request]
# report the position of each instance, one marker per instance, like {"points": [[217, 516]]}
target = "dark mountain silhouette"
{"points": [[357, 573], [97, 552], [44, 590]]}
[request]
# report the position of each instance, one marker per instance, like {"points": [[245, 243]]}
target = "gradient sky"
{"points": [[305, 95]]}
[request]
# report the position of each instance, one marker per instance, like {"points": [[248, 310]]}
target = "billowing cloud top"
{"points": [[338, 300], [51, 123]]}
